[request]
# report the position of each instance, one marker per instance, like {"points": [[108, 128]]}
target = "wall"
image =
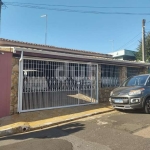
{"points": [[144, 70], [14, 86], [5, 83], [104, 93]]}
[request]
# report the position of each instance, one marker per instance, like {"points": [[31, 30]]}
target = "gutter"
{"points": [[21, 58]]}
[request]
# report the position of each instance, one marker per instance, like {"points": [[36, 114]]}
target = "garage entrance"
{"points": [[47, 84]]}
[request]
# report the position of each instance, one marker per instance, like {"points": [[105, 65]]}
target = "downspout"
{"points": [[21, 58]]}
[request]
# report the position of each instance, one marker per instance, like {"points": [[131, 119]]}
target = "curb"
{"points": [[25, 127]]}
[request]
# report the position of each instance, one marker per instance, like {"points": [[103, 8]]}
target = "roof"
{"points": [[14, 43], [41, 54], [45, 51]]}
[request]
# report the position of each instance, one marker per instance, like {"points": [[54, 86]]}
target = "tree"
{"points": [[147, 48]]}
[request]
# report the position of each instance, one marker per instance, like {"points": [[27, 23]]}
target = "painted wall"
{"points": [[5, 83]]}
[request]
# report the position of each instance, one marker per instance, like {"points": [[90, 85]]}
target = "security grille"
{"points": [[109, 76], [132, 71], [50, 84]]}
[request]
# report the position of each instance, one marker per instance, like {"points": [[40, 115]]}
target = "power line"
{"points": [[28, 5], [130, 41], [95, 7], [131, 44]]}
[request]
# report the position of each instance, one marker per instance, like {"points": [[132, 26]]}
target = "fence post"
{"points": [[99, 82]]}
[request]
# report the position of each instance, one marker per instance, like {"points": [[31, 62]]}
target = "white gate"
{"points": [[46, 84]]}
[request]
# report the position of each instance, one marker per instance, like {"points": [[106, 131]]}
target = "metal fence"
{"points": [[50, 84], [109, 76]]}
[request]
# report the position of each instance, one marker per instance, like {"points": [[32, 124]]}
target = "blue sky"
{"points": [[92, 32]]}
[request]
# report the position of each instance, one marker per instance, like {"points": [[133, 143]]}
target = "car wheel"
{"points": [[147, 106]]}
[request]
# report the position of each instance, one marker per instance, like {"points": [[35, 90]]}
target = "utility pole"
{"points": [[143, 40], [1, 4]]}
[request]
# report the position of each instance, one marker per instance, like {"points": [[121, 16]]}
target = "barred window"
{"points": [[109, 76], [132, 71]]}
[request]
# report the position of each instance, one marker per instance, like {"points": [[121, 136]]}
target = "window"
{"points": [[148, 82], [132, 71], [109, 76], [136, 81]]}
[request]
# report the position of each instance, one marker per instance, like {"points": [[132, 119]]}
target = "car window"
{"points": [[148, 82], [136, 80]]}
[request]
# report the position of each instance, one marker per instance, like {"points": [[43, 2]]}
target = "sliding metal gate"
{"points": [[46, 84]]}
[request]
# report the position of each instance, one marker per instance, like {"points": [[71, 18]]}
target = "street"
{"points": [[116, 130]]}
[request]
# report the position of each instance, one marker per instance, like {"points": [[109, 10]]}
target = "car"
{"points": [[133, 93]]}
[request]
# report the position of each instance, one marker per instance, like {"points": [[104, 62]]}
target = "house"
{"points": [[38, 77], [124, 54]]}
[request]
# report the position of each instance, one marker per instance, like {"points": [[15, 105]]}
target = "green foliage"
{"points": [[147, 48]]}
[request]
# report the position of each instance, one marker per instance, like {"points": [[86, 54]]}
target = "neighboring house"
{"points": [[38, 77], [124, 55]]}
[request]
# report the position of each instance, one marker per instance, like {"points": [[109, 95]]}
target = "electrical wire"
{"points": [[95, 7], [4, 6], [28, 5], [131, 44], [129, 41]]}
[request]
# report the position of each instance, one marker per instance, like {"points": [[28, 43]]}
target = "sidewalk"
{"points": [[40, 119]]}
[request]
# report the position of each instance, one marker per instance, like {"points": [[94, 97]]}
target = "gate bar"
{"points": [[20, 83]]}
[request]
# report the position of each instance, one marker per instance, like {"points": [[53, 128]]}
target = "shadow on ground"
{"points": [[134, 111], [54, 132]]}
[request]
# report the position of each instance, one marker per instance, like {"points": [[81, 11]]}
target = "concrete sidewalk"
{"points": [[40, 119]]}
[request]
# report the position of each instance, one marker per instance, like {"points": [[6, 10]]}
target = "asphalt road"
{"points": [[110, 131]]}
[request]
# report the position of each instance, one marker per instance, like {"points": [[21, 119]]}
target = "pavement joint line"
{"points": [[44, 125]]}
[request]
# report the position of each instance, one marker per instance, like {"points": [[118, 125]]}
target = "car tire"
{"points": [[147, 106]]}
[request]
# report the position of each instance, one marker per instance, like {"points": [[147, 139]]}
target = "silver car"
{"points": [[134, 93]]}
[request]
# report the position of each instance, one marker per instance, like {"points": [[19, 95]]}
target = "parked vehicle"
{"points": [[134, 93]]}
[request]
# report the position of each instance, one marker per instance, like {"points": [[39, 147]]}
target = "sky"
{"points": [[103, 33]]}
